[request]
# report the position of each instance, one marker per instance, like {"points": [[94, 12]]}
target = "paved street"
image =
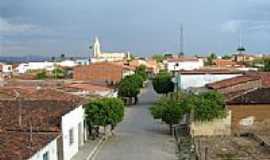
{"points": [[139, 136]]}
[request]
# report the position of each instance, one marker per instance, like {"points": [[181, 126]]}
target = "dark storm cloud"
{"points": [[143, 27]]}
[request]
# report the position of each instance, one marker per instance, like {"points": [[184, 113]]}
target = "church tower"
{"points": [[96, 48]]}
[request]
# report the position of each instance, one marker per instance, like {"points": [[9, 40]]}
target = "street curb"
{"points": [[97, 147]]}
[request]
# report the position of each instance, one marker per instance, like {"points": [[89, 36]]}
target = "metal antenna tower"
{"points": [[181, 40]]}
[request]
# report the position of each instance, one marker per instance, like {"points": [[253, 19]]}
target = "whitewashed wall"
{"points": [[200, 80], [51, 148], [72, 120], [185, 65]]}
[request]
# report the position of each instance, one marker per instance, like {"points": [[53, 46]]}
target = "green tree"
{"points": [[141, 70], [130, 87], [169, 110], [266, 63], [158, 57], [227, 57], [41, 75], [208, 106], [104, 112], [210, 59], [162, 83], [59, 73], [62, 56]]}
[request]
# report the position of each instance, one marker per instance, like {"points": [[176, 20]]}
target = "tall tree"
{"points": [[158, 57], [211, 58], [104, 112], [162, 83], [130, 87], [266, 63], [141, 70], [59, 73], [169, 110]]}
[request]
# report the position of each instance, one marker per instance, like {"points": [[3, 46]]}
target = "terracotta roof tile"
{"points": [[257, 96], [17, 145], [231, 82], [265, 77]]}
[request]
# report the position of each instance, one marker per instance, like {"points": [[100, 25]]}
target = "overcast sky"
{"points": [[143, 27]]}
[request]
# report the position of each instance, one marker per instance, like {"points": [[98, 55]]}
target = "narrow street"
{"points": [[139, 136]]}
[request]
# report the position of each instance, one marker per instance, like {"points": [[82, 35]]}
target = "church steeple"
{"points": [[96, 48]]}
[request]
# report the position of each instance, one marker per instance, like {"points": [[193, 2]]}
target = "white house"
{"points": [[67, 63], [73, 132], [48, 152], [199, 78], [183, 63], [5, 68], [82, 61], [24, 67]]}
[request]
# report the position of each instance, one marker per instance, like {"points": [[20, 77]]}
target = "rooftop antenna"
{"points": [[20, 110], [240, 49], [181, 40]]}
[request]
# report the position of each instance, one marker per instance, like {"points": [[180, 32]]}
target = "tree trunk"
{"points": [[171, 129], [136, 99]]}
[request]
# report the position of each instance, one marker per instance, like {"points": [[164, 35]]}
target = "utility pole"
{"points": [[181, 40]]}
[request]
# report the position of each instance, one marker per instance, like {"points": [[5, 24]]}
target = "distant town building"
{"points": [[243, 58], [199, 78], [183, 63], [6, 68], [99, 56], [24, 67], [102, 72]]}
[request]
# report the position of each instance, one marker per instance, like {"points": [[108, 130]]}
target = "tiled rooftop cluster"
{"points": [[30, 118]]}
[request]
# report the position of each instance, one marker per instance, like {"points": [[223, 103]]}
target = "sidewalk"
{"points": [[88, 150]]}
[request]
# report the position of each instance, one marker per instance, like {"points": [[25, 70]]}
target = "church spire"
{"points": [[96, 48]]}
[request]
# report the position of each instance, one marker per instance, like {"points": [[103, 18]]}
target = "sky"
{"points": [[143, 27]]}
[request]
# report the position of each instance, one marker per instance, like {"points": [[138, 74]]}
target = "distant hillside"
{"points": [[20, 59]]}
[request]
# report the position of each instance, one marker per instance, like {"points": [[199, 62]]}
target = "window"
{"points": [[46, 156], [71, 136]]}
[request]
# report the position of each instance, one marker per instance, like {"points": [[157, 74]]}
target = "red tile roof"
{"points": [[87, 87], [223, 63], [182, 59], [38, 109], [231, 82], [257, 96], [36, 93], [265, 77], [211, 71], [17, 145], [44, 115]]}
